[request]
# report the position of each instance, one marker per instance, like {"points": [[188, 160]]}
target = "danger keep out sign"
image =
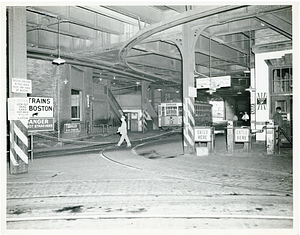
{"points": [[40, 107]]}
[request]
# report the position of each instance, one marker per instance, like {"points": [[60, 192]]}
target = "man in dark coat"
{"points": [[277, 117]]}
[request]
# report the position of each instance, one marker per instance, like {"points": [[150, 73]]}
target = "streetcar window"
{"points": [[171, 111], [180, 110], [163, 111]]}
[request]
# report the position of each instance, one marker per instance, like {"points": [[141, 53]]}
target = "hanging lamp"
{"points": [[211, 89], [250, 89], [58, 60], [249, 68]]}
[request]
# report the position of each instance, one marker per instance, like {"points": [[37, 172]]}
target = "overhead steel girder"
{"points": [[145, 13], [169, 23], [90, 64], [277, 24], [102, 10], [226, 14], [72, 15], [235, 27]]}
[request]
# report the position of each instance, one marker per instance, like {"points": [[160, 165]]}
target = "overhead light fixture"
{"points": [[239, 93], [211, 90], [250, 89], [59, 60], [249, 68]]}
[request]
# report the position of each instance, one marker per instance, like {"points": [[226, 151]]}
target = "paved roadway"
{"points": [[155, 186]]}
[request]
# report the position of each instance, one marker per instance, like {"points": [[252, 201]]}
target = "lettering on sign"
{"points": [[71, 127], [223, 81], [40, 107], [40, 124], [17, 108], [202, 135], [21, 85], [241, 135]]}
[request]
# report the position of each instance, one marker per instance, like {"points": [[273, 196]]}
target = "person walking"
{"points": [[123, 132], [277, 117]]}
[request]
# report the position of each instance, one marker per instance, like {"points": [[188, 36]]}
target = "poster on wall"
{"points": [[261, 100]]}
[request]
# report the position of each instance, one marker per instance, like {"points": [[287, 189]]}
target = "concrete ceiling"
{"points": [[130, 44]]}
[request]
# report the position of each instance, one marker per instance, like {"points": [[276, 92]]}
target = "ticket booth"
{"points": [[133, 118]]}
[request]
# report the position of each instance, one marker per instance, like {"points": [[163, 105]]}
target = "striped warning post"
{"points": [[188, 125], [145, 117], [18, 146]]}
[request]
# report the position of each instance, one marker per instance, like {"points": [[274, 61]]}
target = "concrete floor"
{"points": [[155, 186]]}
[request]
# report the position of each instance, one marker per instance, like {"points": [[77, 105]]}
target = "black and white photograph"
{"points": [[150, 117]]}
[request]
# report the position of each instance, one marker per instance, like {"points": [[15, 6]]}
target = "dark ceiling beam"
{"points": [[227, 44], [112, 15], [235, 27], [169, 23], [178, 8], [144, 13], [73, 20], [157, 53], [32, 53], [45, 28], [155, 67], [277, 24]]}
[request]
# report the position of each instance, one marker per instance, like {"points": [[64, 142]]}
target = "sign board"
{"points": [[241, 134], [17, 108], [217, 82], [71, 127], [192, 92], [21, 85], [40, 107], [202, 83], [40, 124], [202, 134]]}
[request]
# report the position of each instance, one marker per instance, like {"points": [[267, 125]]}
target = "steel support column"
{"points": [[188, 64], [144, 103], [17, 64]]}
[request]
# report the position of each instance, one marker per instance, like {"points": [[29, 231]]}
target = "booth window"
{"points": [[282, 80], [76, 98]]}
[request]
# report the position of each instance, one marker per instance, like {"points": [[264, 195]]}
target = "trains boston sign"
{"points": [[40, 107], [40, 114]]}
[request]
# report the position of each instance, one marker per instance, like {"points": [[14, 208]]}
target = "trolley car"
{"points": [[170, 114]]}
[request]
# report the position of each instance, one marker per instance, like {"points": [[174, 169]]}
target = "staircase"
{"points": [[114, 106]]}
